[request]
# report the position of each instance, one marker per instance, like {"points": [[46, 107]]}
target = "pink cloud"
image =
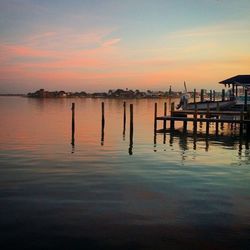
{"points": [[12, 51], [111, 42]]}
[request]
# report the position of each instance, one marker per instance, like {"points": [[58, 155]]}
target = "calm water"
{"points": [[170, 192]]}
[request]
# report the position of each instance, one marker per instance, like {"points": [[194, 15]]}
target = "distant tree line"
{"points": [[118, 93]]}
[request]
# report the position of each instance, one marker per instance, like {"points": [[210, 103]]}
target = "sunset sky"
{"points": [[96, 45]]}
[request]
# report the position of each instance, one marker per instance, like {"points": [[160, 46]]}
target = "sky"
{"points": [[97, 45]]}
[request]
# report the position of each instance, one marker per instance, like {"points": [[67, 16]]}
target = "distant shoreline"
{"points": [[23, 95], [89, 97]]}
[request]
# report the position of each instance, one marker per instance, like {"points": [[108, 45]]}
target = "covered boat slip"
{"points": [[240, 85]]}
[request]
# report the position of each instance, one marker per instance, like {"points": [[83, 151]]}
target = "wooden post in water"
{"points": [[202, 95], [214, 95], [103, 124], [207, 117], [103, 115], [164, 138], [211, 95], [124, 114], [165, 114], [155, 116], [131, 118], [185, 122], [223, 95], [217, 116], [184, 126], [73, 116], [194, 95], [73, 124], [245, 101], [172, 114], [131, 131], [241, 123], [248, 124], [124, 120], [195, 119]]}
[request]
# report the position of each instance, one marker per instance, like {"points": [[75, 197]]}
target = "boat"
{"points": [[212, 105], [240, 100]]}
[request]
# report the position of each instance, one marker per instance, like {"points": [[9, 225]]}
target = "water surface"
{"points": [[175, 191]]}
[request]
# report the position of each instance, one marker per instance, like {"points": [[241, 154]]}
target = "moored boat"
{"points": [[212, 105]]}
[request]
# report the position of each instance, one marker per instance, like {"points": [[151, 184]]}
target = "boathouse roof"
{"points": [[242, 80]]}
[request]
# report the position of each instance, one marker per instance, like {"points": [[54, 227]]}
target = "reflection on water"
{"points": [[185, 139], [138, 190]]}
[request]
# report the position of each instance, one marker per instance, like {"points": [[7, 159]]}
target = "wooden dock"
{"points": [[203, 116]]}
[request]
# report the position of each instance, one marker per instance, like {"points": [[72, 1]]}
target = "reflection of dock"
{"points": [[189, 140], [226, 139]]}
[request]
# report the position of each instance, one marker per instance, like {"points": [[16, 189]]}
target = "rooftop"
{"points": [[242, 80]]}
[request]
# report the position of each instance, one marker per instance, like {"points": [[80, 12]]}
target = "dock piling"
{"points": [[155, 116], [172, 114], [202, 95], [245, 100], [103, 124], [131, 131], [223, 95], [103, 114], [214, 95], [124, 120], [165, 114], [195, 118], [73, 125], [207, 116], [241, 123]]}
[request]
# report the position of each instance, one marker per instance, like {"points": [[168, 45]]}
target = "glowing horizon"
{"points": [[101, 45]]}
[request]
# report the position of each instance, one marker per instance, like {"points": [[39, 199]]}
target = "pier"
{"points": [[218, 117]]}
